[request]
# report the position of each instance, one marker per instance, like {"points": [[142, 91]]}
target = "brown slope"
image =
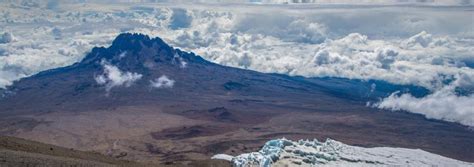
{"points": [[21, 152]]}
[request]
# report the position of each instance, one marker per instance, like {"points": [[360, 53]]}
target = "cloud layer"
{"points": [[442, 104]]}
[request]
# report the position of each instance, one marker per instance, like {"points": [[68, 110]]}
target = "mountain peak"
{"points": [[137, 50], [136, 41]]}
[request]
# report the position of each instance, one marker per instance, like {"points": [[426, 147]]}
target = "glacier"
{"points": [[284, 152]]}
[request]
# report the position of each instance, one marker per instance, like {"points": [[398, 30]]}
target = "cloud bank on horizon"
{"points": [[424, 43], [52, 4]]}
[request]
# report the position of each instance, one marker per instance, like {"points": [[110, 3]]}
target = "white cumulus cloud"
{"points": [[443, 104], [446, 103], [113, 77], [162, 82]]}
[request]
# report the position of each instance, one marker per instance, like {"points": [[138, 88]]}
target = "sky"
{"points": [[416, 42]]}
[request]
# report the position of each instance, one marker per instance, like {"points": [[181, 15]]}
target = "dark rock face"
{"points": [[234, 85], [135, 50]]}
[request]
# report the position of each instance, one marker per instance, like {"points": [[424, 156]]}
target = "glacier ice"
{"points": [[284, 152]]}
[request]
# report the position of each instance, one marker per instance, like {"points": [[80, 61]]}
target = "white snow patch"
{"points": [[223, 157]]}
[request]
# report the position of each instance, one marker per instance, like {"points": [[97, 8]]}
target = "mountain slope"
{"points": [[155, 59], [19, 152], [155, 103], [16, 152]]}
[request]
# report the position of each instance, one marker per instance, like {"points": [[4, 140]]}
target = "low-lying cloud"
{"points": [[162, 82], [443, 104], [453, 102], [113, 77]]}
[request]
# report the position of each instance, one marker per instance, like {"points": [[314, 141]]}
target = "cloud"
{"points": [[285, 27], [386, 57], [353, 56], [180, 19], [7, 37], [424, 40], [367, 2], [113, 77], [453, 102], [323, 57], [39, 50], [48, 4], [178, 59], [122, 55], [443, 104], [162, 82]]}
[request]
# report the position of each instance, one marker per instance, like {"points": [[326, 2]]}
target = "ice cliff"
{"points": [[283, 152]]}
